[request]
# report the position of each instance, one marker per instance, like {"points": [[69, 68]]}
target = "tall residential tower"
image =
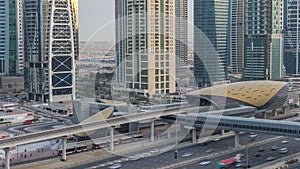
{"points": [[51, 48], [146, 46], [11, 37]]}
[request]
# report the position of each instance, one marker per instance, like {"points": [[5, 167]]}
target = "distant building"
{"points": [[12, 85], [292, 37], [181, 26], [237, 36], [145, 45], [51, 43], [11, 38], [264, 40], [211, 20]]}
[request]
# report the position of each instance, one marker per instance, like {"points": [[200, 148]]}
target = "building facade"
{"points": [[146, 47], [292, 36], [11, 38], [181, 13], [264, 40], [51, 49], [211, 19], [237, 36]]}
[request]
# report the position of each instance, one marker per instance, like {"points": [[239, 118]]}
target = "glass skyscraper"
{"points": [[264, 40], [211, 19], [292, 37], [11, 38]]}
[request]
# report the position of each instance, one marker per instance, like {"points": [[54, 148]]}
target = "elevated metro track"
{"points": [[69, 130], [273, 127]]}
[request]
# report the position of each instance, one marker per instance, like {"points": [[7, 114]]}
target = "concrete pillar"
{"points": [[64, 149], [285, 109], [168, 130], [111, 135], [7, 158], [194, 137], [274, 112], [236, 139], [152, 131], [222, 132], [265, 115]]}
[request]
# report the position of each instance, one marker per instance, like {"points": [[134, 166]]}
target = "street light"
{"points": [[247, 154]]}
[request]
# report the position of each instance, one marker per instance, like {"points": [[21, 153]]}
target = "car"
{"points": [[133, 158], [257, 155], [154, 151], [261, 149], [115, 166], [285, 141], [283, 150], [204, 162], [251, 139], [209, 150], [297, 139], [252, 135], [188, 154], [216, 139], [273, 148], [270, 158]]}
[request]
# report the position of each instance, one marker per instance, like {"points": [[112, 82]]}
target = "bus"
{"points": [[229, 162], [100, 145], [73, 149]]}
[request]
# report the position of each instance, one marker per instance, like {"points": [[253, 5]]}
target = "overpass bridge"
{"points": [[237, 124]]}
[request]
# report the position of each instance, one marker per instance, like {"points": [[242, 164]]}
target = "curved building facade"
{"points": [[260, 94]]}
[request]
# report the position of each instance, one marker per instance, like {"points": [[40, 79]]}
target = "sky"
{"points": [[96, 20], [96, 16]]}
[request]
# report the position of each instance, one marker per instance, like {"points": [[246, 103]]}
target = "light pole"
{"points": [[247, 154]]}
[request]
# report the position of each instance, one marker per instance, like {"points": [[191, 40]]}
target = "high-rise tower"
{"points": [[264, 40], [211, 18], [237, 34], [51, 48], [146, 46], [181, 12], [11, 38], [292, 37]]}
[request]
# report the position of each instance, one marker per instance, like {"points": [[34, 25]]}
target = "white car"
{"points": [[252, 135], [115, 166], [209, 150], [133, 158], [205, 162], [285, 141], [187, 154], [216, 139], [154, 151], [283, 150]]}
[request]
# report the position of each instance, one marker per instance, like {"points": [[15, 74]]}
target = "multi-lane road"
{"points": [[213, 151]]}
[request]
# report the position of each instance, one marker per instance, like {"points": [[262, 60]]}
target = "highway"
{"points": [[167, 158]]}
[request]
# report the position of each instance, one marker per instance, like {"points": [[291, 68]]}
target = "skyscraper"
{"points": [[292, 37], [264, 40], [211, 18], [51, 48], [11, 38], [181, 13], [145, 38], [237, 34]]}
